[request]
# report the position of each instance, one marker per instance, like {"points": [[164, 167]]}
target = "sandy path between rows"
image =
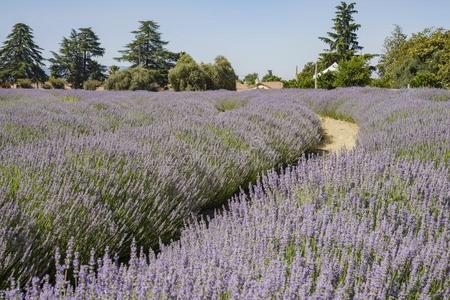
{"points": [[338, 135]]}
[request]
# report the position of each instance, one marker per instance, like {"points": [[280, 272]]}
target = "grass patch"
{"points": [[229, 138], [396, 116], [100, 106], [230, 104], [70, 99], [441, 97], [425, 153], [337, 116]]}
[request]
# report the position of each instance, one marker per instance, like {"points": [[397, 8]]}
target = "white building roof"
{"points": [[334, 67]]}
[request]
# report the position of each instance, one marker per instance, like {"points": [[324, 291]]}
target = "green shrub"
{"points": [[91, 85], [119, 80], [353, 72], [327, 80], [134, 79], [144, 79], [225, 75], [306, 83], [24, 83], [290, 84], [382, 82], [425, 79], [46, 86], [57, 83], [187, 75]]}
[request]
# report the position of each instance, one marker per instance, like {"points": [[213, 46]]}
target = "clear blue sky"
{"points": [[253, 35]]}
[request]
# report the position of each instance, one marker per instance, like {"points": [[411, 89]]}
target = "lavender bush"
{"points": [[355, 226], [409, 123], [369, 224], [103, 168]]}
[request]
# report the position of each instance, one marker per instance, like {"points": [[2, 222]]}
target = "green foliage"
{"points": [[118, 81], [134, 79], [230, 104], [144, 79], [91, 85], [327, 81], [353, 72], [270, 77], [148, 50], [382, 82], [250, 79], [187, 75], [426, 52], [24, 83], [343, 40], [20, 57], [305, 78], [113, 69], [57, 83], [306, 83], [75, 60], [70, 99], [225, 76], [46, 86], [290, 84], [425, 79]]}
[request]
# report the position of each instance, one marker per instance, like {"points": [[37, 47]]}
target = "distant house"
{"points": [[333, 68], [275, 85], [259, 85], [242, 86]]}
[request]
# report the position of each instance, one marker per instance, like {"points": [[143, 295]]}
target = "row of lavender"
{"points": [[101, 169], [411, 123], [370, 224], [356, 226]]}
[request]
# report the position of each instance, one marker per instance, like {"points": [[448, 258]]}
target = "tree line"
{"points": [[421, 60], [153, 66]]}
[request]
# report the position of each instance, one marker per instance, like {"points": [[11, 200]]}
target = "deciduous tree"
{"points": [[250, 79], [425, 54], [270, 77]]}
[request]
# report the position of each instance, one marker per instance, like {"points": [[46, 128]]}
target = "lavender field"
{"points": [[95, 185]]}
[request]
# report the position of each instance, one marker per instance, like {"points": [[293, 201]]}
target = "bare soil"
{"points": [[337, 135]]}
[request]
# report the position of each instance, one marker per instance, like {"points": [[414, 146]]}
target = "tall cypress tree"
{"points": [[148, 49], [20, 57], [75, 60], [343, 41]]}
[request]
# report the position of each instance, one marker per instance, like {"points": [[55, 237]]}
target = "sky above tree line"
{"points": [[254, 35]]}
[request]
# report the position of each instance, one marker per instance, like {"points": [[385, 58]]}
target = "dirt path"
{"points": [[338, 135]]}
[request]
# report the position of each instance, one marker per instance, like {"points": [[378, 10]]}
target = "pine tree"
{"points": [[75, 60], [148, 49], [20, 57], [343, 41]]}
